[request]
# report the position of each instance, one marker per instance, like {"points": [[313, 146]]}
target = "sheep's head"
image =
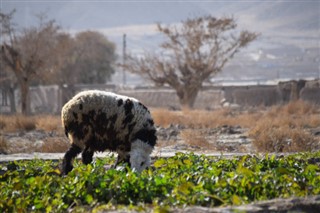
{"points": [[140, 155]]}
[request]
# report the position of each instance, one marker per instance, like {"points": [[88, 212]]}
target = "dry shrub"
{"points": [[284, 139], [272, 135], [203, 118], [48, 123], [299, 108], [274, 111], [269, 139], [189, 118], [301, 141], [215, 118], [14, 123], [195, 138], [312, 121], [25, 123], [243, 119], [295, 108], [19, 122], [283, 128], [164, 117]]}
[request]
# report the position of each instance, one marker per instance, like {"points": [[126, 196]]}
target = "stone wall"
{"points": [[50, 99], [256, 96], [167, 98], [311, 95]]}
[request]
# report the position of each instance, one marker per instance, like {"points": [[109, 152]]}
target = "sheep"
{"points": [[96, 120]]}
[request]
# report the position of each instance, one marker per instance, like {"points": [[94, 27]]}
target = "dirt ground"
{"points": [[308, 204], [229, 139]]}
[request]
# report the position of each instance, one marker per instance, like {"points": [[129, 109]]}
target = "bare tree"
{"points": [[8, 84], [192, 53], [62, 64], [7, 81], [26, 53]]}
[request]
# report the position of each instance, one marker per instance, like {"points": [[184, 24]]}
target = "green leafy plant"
{"points": [[185, 179]]}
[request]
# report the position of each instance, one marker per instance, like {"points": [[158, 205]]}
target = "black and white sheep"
{"points": [[97, 121]]}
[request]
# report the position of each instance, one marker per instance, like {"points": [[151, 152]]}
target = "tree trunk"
{"points": [[12, 100], [25, 103], [294, 95], [187, 97]]}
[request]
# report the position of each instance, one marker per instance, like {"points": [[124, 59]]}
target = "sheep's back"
{"points": [[102, 116]]}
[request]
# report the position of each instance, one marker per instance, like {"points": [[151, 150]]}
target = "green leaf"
{"points": [[89, 198], [182, 180], [159, 163], [282, 171], [49, 209], [185, 188], [187, 162], [311, 168], [244, 171], [236, 200]]}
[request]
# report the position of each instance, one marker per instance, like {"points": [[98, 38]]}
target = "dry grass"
{"points": [[300, 108], [203, 118], [48, 123], [20, 123], [295, 113], [282, 139], [165, 117], [22, 145], [15, 123], [279, 128], [275, 129], [285, 128]]}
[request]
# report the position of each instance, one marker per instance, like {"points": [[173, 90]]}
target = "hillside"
{"points": [[287, 48]]}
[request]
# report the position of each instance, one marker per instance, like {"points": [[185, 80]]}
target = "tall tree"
{"points": [[89, 58], [26, 53], [192, 52], [96, 57], [8, 84]]}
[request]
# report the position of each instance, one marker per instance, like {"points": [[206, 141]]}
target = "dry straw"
{"points": [[282, 128]]}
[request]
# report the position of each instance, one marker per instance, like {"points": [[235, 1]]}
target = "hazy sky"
{"points": [[288, 28], [102, 14], [289, 19]]}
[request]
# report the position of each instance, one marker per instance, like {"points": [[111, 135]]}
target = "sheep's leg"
{"points": [[116, 163], [87, 155], [68, 157], [121, 160]]}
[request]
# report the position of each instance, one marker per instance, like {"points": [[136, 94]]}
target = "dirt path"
{"points": [[309, 204]]}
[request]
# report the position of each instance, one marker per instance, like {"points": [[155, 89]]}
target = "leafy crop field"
{"points": [[182, 180]]}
